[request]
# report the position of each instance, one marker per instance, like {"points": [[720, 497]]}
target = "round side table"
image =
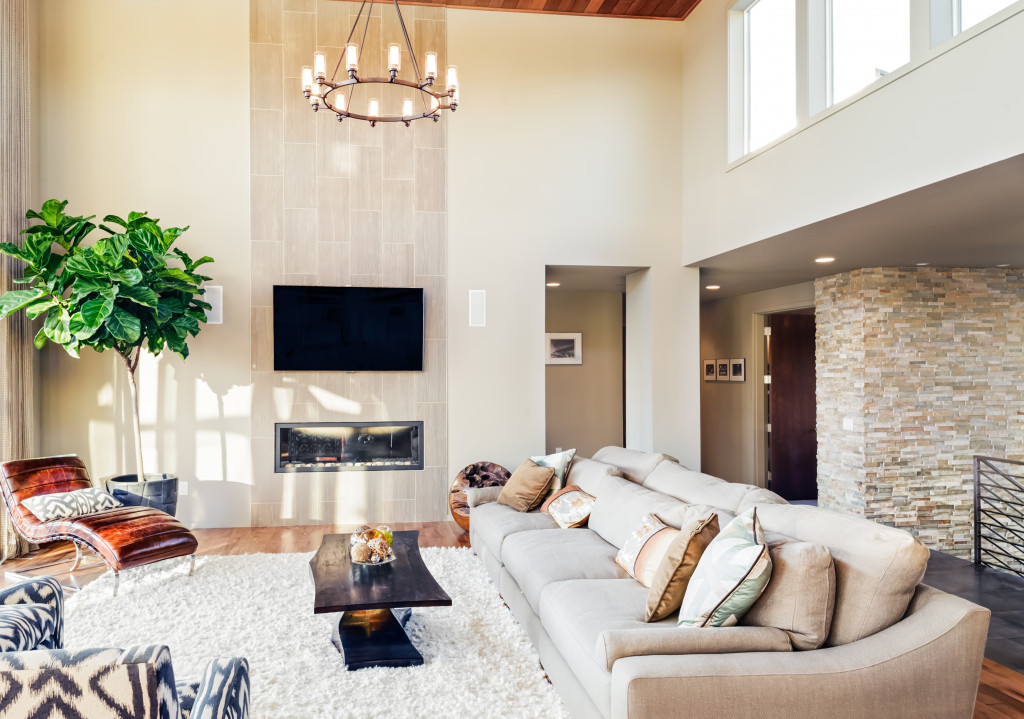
{"points": [[478, 474]]}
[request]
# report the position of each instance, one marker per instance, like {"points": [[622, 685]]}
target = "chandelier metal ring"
{"points": [[328, 94]]}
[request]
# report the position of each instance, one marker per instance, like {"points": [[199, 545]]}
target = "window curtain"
{"points": [[16, 350]]}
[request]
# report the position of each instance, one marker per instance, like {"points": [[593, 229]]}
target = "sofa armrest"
{"points": [[39, 590], [223, 692], [92, 683], [481, 495], [24, 627], [615, 644], [927, 664]]}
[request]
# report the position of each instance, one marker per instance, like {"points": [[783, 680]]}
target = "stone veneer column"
{"points": [[918, 370]]}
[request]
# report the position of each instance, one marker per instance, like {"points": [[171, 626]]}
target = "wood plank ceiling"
{"points": [[652, 9]]}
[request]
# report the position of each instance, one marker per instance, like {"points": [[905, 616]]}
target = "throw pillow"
{"points": [[526, 487], [570, 507], [61, 505], [644, 549], [730, 576], [560, 462], [677, 566], [801, 597]]}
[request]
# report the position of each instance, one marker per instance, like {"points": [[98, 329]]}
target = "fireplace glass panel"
{"points": [[349, 446]]}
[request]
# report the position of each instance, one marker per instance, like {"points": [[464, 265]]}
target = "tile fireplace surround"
{"points": [[348, 446]]}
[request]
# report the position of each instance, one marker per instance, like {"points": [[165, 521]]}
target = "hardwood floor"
{"points": [[1000, 694]]}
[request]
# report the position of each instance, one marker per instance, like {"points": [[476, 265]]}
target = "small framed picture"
{"points": [[723, 370], [563, 348], [710, 367], [737, 370]]}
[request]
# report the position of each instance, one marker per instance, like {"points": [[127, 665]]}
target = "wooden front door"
{"points": [[793, 443]]}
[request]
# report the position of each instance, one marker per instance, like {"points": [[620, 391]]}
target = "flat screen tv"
{"points": [[348, 329]]}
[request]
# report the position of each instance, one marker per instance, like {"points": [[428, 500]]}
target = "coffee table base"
{"points": [[375, 638]]}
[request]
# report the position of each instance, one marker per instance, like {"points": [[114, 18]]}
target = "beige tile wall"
{"points": [[335, 204]]}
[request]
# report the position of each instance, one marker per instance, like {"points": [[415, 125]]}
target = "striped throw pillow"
{"points": [[730, 576], [645, 548]]}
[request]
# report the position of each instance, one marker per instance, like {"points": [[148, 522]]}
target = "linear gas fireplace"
{"points": [[348, 446]]}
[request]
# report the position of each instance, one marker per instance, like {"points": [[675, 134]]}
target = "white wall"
{"points": [[144, 106], [563, 153], [956, 112]]}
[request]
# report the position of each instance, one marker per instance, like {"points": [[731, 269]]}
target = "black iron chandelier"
{"points": [[337, 96]]}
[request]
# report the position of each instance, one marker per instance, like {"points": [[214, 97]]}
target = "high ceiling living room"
{"points": [[296, 416]]}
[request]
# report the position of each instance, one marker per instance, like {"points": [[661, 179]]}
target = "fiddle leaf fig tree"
{"points": [[127, 291]]}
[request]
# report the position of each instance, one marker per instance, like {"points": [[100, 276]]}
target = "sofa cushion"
{"points": [[801, 596], [492, 523], [527, 486], [621, 506], [731, 574], [677, 566], [635, 465], [600, 621], [756, 496], [560, 462], [590, 475], [877, 568], [695, 487], [538, 558]]}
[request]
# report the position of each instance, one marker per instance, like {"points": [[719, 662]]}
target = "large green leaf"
{"points": [[124, 326], [90, 318], [12, 250], [111, 249], [140, 295], [40, 339], [16, 299], [85, 263], [40, 306], [86, 285], [56, 326], [130, 276], [52, 212]]}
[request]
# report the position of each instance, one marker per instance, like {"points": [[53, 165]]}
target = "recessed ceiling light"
{"points": [[1007, 264], [553, 284], [712, 287], [824, 260], [922, 264]]}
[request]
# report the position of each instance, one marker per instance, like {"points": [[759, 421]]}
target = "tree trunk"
{"points": [[131, 365]]}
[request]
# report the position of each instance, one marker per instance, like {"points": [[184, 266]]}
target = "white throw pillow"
{"points": [[61, 505]]}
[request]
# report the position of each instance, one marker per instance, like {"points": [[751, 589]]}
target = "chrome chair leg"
{"points": [[78, 556], [117, 581], [192, 565]]}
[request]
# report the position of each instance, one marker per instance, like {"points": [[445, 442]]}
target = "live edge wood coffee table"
{"points": [[376, 601]]}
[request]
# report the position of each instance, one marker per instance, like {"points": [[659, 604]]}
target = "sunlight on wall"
{"points": [[334, 402]]}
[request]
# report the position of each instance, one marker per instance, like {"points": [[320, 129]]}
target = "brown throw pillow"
{"points": [[552, 497], [527, 486], [677, 566]]}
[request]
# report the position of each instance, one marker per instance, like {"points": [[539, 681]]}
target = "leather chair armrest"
{"points": [[614, 644], [481, 495]]}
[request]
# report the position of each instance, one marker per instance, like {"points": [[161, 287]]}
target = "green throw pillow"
{"points": [[560, 462], [730, 576]]}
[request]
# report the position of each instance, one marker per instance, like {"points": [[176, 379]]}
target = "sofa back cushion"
{"points": [[590, 475], [697, 488], [877, 568], [801, 595], [621, 506], [635, 465]]}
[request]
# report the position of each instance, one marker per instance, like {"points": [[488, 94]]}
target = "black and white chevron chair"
{"points": [[38, 678]]}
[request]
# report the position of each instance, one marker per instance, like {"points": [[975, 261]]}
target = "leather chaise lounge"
{"points": [[123, 537]]}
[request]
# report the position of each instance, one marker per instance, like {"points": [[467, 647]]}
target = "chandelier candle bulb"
{"points": [[394, 58], [314, 97], [453, 78], [339, 101], [374, 110], [407, 107], [320, 65], [352, 57], [431, 66], [307, 80]]}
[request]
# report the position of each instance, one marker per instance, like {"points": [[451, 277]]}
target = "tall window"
{"points": [[971, 12], [771, 70], [869, 39]]}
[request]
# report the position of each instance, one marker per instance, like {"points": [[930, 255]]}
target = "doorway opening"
{"points": [[790, 405]]}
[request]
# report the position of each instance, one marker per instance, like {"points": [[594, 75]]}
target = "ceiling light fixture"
{"points": [[553, 284], [922, 264], [1004, 265], [712, 287], [337, 96], [824, 260]]}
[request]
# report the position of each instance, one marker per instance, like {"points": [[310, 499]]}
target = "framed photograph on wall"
{"points": [[563, 348], [723, 370], [710, 367], [737, 370]]}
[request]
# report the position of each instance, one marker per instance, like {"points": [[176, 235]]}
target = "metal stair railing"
{"points": [[999, 514]]}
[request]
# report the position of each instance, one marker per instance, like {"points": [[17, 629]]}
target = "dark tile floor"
{"points": [[1001, 592]]}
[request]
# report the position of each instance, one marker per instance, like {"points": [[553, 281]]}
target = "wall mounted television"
{"points": [[348, 329]]}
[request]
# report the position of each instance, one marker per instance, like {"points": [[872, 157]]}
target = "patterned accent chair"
{"points": [[40, 678]]}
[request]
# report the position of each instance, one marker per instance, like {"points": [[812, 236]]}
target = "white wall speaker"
{"points": [[215, 296], [478, 308]]}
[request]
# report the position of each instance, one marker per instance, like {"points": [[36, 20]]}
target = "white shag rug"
{"points": [[477, 659]]}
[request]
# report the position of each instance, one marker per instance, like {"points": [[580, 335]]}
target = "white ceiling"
{"points": [[972, 220], [588, 278]]}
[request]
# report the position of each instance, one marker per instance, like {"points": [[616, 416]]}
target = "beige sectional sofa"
{"points": [[890, 646]]}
